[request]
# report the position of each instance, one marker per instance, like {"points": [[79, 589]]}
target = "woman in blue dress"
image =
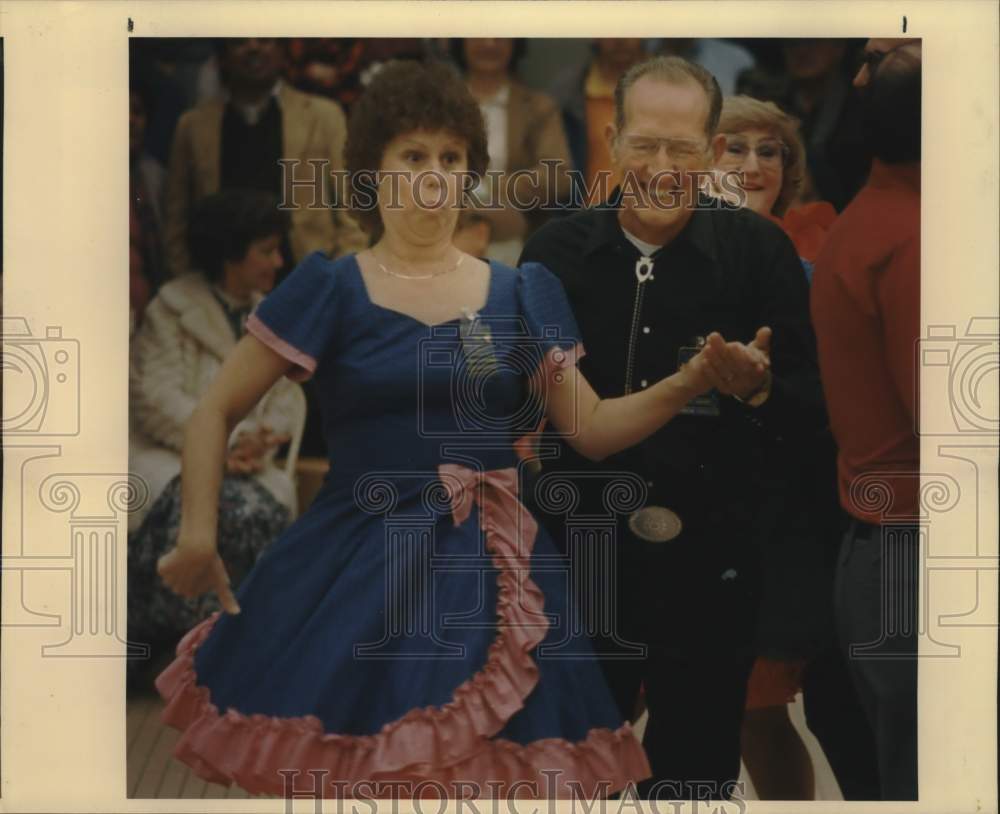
{"points": [[393, 641]]}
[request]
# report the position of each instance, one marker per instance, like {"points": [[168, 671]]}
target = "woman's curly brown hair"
{"points": [[405, 96]]}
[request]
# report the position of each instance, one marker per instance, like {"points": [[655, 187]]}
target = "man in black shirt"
{"points": [[650, 275]]}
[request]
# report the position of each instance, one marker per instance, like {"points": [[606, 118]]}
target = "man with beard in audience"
{"points": [[866, 310]]}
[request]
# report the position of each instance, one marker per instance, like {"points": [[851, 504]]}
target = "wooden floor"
{"points": [[151, 768], [153, 772]]}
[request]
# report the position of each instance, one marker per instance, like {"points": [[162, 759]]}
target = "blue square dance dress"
{"points": [[411, 628]]}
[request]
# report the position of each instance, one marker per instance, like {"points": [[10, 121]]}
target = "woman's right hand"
{"points": [[242, 462], [193, 568], [251, 449], [697, 372]]}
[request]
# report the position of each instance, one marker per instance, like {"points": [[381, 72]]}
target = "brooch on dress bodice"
{"points": [[477, 345]]}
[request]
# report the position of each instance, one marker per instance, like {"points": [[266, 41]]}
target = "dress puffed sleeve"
{"points": [[549, 318], [298, 318]]}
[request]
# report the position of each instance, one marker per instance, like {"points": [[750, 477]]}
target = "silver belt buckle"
{"points": [[655, 524]]}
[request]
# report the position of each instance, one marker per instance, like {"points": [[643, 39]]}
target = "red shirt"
{"points": [[808, 226], [866, 312]]}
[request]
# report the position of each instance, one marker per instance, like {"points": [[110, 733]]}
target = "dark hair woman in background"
{"points": [[187, 330]]}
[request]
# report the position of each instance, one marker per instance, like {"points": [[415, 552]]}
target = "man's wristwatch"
{"points": [[758, 395]]}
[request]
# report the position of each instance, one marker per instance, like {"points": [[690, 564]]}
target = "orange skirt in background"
{"points": [[774, 683]]}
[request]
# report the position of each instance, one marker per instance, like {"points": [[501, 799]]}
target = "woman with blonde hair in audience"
{"points": [[763, 147]]}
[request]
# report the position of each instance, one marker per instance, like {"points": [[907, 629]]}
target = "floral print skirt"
{"points": [[250, 518]]}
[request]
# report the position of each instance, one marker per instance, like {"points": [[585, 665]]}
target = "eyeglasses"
{"points": [[771, 153], [680, 149]]}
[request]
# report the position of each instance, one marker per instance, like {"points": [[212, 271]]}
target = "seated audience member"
{"points": [[170, 70], [866, 310], [188, 329], [145, 262], [724, 60], [586, 98], [815, 87], [237, 142], [328, 66], [523, 127], [339, 68]]}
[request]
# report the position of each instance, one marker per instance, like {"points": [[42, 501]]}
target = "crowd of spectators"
{"points": [[212, 121], [209, 114]]}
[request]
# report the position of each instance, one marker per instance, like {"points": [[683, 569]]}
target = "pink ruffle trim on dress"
{"points": [[450, 744], [305, 364]]}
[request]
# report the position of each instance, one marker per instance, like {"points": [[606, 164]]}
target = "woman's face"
{"points": [[759, 156], [488, 55], [420, 187], [256, 271]]}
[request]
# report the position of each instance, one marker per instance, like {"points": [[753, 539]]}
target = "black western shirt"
{"points": [[731, 271]]}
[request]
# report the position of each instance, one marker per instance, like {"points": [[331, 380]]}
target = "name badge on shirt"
{"points": [[707, 404]]}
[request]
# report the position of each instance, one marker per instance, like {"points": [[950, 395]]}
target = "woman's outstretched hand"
{"points": [[191, 569], [697, 372]]}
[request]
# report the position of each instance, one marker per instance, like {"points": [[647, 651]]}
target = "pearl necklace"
{"points": [[384, 270]]}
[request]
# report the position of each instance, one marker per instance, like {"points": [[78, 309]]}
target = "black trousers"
{"points": [[835, 716], [683, 629], [695, 699]]}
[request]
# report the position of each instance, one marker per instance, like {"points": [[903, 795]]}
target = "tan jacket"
{"points": [[175, 355], [312, 128], [534, 132]]}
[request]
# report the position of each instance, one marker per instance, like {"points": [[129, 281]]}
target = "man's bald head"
{"points": [[879, 49], [891, 98]]}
